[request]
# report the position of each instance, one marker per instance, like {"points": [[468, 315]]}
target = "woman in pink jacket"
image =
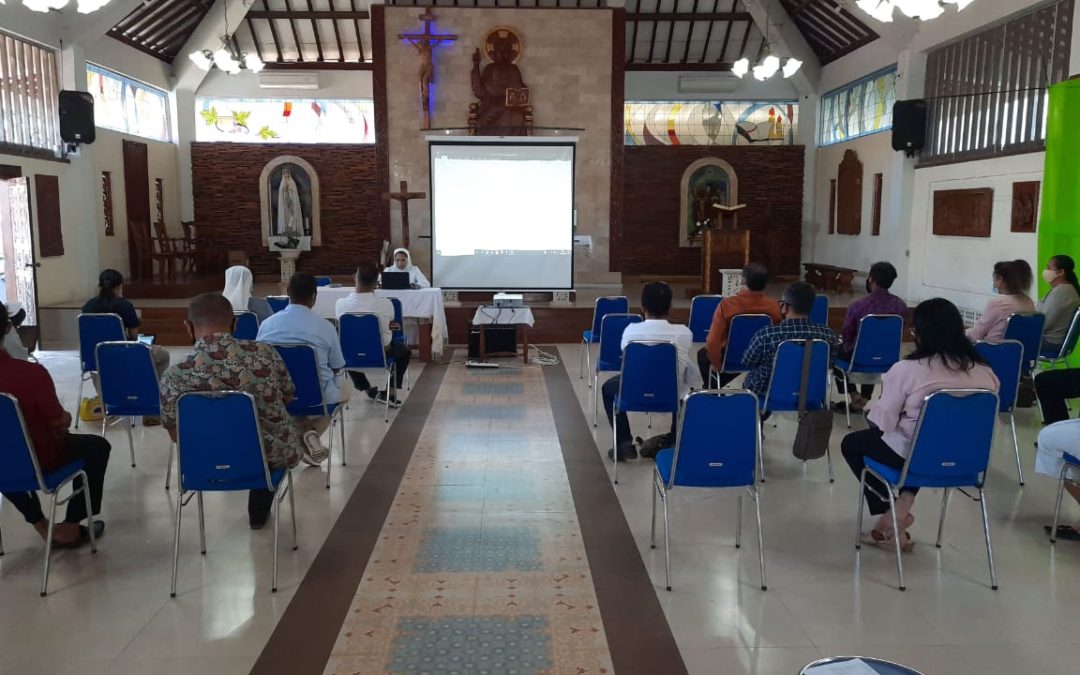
{"points": [[1012, 281]]}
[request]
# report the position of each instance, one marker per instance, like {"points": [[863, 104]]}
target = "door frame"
{"points": [[5, 178]]}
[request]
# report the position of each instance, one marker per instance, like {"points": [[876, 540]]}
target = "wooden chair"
{"points": [[168, 249], [187, 246]]}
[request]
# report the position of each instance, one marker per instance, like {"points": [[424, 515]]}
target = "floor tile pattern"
{"points": [[480, 567]]}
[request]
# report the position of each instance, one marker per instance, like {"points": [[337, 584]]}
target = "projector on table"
{"points": [[508, 300]]}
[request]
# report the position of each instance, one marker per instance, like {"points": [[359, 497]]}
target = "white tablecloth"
{"points": [[421, 303], [502, 316]]}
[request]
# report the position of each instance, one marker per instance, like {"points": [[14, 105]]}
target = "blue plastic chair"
{"points": [[308, 400], [214, 456], [742, 330], [1005, 360], [611, 304], [704, 459], [785, 380], [648, 383], [820, 311], [277, 302], [951, 449], [1027, 328], [702, 309], [361, 343], [129, 387], [94, 329], [1072, 463], [246, 325], [323, 280], [1061, 356], [877, 348], [609, 357], [22, 473]]}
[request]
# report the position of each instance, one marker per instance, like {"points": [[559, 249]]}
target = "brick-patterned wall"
{"points": [[225, 179], [770, 184]]}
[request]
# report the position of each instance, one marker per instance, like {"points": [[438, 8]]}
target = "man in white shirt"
{"points": [[364, 301], [297, 324], [656, 303]]}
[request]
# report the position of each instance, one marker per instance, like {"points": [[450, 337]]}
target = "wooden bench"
{"points": [[829, 277]]}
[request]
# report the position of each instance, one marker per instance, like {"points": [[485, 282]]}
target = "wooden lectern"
{"points": [[722, 249]]}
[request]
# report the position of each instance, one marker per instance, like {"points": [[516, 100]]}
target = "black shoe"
{"points": [[627, 451], [258, 522], [372, 392]]}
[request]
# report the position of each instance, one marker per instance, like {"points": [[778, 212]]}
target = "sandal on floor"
{"points": [[1064, 532], [885, 541]]}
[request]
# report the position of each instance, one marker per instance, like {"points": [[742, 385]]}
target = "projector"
{"points": [[507, 300]]}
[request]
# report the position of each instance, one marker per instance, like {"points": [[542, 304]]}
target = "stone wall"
{"points": [[566, 62], [225, 179], [770, 184]]}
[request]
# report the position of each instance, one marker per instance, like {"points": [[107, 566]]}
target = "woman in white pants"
{"points": [[1054, 441]]}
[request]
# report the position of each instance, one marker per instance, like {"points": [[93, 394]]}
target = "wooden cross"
{"points": [[425, 42], [402, 196]]}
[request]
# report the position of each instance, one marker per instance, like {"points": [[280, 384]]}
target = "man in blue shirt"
{"points": [[298, 324], [795, 308]]}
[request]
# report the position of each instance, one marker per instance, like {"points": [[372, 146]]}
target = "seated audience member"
{"points": [[1053, 388], [11, 343], [238, 285], [749, 300], [298, 325], [220, 362], [879, 301], [795, 308], [1060, 303], [403, 263], [110, 300], [943, 359], [656, 304], [364, 301], [1012, 280], [1054, 441], [47, 425]]}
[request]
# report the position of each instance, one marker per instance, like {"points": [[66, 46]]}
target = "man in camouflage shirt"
{"points": [[220, 362]]}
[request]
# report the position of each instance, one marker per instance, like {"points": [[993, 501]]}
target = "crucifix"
{"points": [[402, 196], [425, 42]]}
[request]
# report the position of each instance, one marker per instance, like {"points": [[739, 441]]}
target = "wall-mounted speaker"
{"points": [[77, 117], [909, 125]]}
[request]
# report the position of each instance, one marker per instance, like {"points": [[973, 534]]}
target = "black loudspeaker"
{"points": [[909, 125], [77, 117]]}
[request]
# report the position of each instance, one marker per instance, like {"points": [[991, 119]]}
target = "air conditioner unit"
{"points": [[288, 80], [721, 83]]}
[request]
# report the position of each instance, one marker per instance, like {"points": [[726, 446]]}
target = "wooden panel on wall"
{"points": [[1025, 206], [225, 182], [849, 194], [770, 184], [137, 203], [879, 180], [47, 197], [832, 206], [963, 213]]}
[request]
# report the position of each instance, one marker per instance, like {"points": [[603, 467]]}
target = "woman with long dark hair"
{"points": [[1012, 281], [1060, 303], [944, 358]]}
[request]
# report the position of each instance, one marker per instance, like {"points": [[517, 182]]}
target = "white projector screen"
{"points": [[502, 215]]}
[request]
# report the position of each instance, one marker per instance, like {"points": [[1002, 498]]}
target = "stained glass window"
{"points": [[284, 120], [122, 104], [711, 122], [861, 108]]}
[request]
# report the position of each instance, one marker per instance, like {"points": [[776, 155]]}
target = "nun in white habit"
{"points": [[238, 284], [403, 263]]}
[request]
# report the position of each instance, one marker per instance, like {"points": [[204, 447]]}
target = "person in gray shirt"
{"points": [[1060, 303]]}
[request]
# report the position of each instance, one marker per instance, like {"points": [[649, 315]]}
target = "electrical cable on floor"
{"points": [[541, 357]]}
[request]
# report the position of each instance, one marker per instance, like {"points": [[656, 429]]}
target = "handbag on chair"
{"points": [[815, 426]]}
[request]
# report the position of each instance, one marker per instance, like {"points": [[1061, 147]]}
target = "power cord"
{"points": [[541, 357]]}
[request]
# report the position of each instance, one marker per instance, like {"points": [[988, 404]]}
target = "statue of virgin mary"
{"points": [[290, 217]]}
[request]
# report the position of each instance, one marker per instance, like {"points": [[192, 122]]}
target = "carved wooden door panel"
{"points": [[137, 198], [849, 194], [23, 262]]}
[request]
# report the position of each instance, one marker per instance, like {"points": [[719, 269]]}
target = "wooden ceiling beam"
{"points": [[315, 30], [727, 34], [140, 46], [255, 39], [305, 15], [689, 16], [273, 34], [673, 67], [328, 65], [337, 36], [295, 34], [359, 39]]}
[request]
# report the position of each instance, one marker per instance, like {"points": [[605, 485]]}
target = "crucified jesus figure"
{"points": [[425, 42]]}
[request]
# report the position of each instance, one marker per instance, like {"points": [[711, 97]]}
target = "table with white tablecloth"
{"points": [[518, 317], [420, 303]]}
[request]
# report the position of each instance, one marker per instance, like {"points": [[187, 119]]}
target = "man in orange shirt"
{"points": [[749, 300]]}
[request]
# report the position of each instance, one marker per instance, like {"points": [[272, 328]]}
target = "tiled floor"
{"points": [[485, 501]]}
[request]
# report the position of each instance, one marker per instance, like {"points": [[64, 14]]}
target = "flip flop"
{"points": [[885, 541], [1064, 532]]}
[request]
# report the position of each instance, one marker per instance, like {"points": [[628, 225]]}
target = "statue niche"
{"points": [[504, 108], [289, 198]]}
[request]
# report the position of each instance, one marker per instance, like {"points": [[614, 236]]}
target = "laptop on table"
{"points": [[396, 281]]}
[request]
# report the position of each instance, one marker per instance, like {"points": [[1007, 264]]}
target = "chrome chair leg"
{"points": [[48, 543], [581, 360], [89, 511], [859, 517], [828, 459], [652, 523], [738, 522], [292, 511], [615, 444], [761, 453], [667, 543], [131, 441], [896, 539], [330, 455], [941, 521], [176, 541], [650, 420], [847, 400], [78, 401], [1016, 448], [202, 523], [1057, 504], [986, 535], [386, 417], [595, 389], [760, 537], [341, 419], [168, 468], [277, 514]]}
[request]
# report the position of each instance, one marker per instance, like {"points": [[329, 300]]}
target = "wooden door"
{"points": [[137, 198], [20, 263]]}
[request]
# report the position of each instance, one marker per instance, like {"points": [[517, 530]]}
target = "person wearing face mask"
{"points": [[1012, 281], [403, 263], [1060, 303]]}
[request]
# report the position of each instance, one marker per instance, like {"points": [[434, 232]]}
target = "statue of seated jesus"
{"points": [[503, 109]]}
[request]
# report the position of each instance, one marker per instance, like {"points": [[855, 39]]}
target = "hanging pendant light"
{"points": [[769, 66], [227, 58], [924, 10]]}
